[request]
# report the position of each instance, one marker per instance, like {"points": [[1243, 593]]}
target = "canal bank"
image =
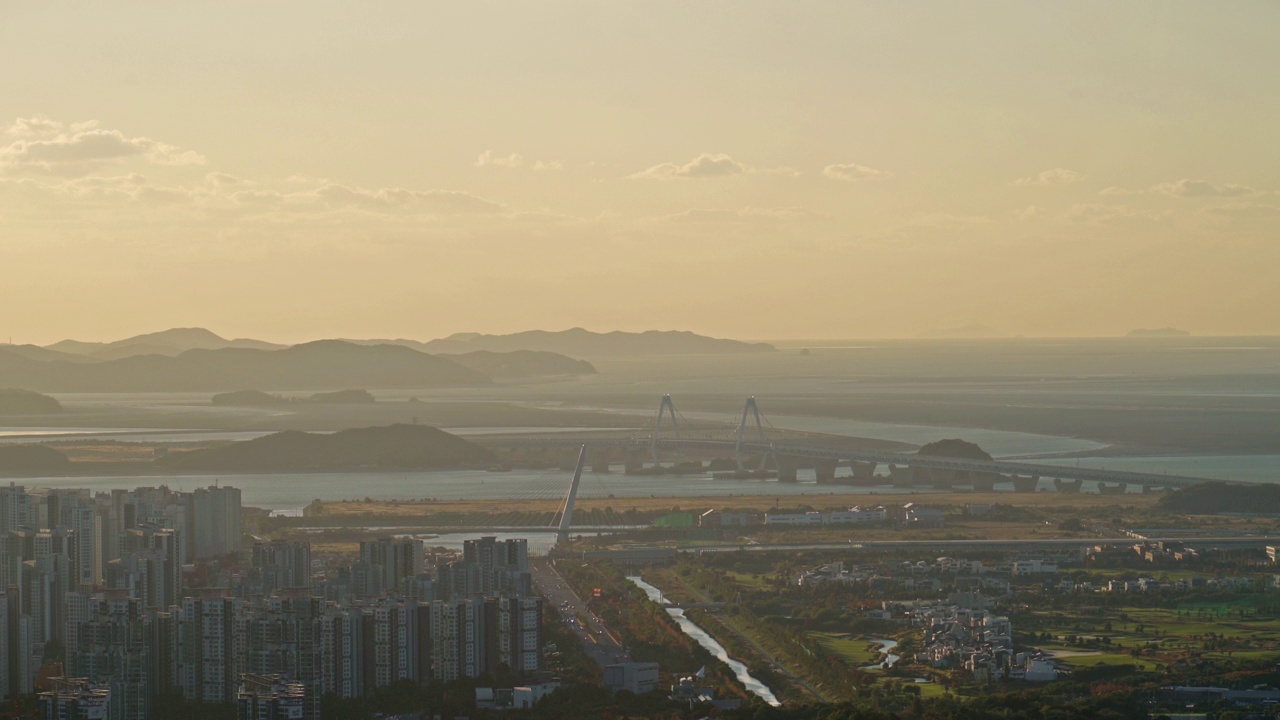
{"points": [[703, 638]]}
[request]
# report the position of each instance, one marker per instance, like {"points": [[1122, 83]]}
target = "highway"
{"points": [[600, 645], [1014, 544]]}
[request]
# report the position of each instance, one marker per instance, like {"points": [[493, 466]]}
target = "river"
{"points": [[886, 646], [701, 636]]}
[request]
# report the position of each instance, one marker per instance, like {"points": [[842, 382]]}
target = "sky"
{"points": [[290, 171]]}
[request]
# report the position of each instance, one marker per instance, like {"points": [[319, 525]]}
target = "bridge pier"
{"points": [[939, 478], [1066, 486], [600, 460], [787, 467], [825, 470], [902, 477], [862, 470], [1109, 489], [633, 461], [983, 482], [566, 460], [1024, 484]]}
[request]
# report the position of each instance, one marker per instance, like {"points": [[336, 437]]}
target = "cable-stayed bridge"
{"points": [[759, 450]]}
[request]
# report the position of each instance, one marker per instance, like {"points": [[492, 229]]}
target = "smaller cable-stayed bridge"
{"points": [[757, 449]]}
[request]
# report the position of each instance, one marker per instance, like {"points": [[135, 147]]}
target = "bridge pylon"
{"points": [[749, 411], [566, 510], [665, 407]]}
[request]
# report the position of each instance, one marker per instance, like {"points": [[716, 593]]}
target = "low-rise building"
{"points": [[634, 677]]}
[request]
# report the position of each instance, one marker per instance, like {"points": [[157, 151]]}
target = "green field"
{"points": [[1216, 631], [853, 649]]}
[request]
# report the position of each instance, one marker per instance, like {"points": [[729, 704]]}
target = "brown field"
{"points": [[1085, 504]]}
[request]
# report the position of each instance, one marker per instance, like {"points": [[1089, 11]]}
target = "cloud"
{"points": [[1101, 213], [85, 145], [746, 214], [1056, 176], [706, 165], [1199, 188], [851, 172], [488, 159], [221, 179], [449, 202], [1114, 191], [38, 126], [515, 160]]}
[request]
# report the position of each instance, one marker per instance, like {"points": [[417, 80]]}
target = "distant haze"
{"points": [[740, 169]]}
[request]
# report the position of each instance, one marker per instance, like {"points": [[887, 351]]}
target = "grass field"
{"points": [[853, 649], [1214, 631]]}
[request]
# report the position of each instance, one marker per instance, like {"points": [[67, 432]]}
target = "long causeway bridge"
{"points": [[756, 455]]}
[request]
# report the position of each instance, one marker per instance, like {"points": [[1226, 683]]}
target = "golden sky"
{"points": [[759, 170]]}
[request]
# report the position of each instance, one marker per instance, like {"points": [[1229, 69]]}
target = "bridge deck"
{"points": [[794, 449]]}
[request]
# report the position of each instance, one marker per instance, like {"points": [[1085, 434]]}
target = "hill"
{"points": [[343, 397], [522, 363], [35, 352], [953, 448], [25, 402], [257, 398], [1218, 497], [248, 398], [315, 365], [172, 342], [578, 342], [31, 460], [395, 447]]}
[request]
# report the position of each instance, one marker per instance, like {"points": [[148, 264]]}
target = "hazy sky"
{"points": [[762, 170]]}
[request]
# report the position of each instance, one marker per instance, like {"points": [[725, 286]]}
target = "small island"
{"points": [[14, 401], [394, 447], [954, 448], [258, 398], [1157, 333]]}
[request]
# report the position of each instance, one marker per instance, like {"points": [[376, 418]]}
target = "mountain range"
{"points": [[195, 359], [577, 342], [316, 365]]}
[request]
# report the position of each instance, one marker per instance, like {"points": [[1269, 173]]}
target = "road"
{"points": [[600, 645], [1012, 544]]}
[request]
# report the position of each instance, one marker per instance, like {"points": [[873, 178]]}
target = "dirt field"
{"points": [[1086, 504]]}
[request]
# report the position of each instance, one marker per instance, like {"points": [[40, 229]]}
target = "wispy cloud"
{"points": [[49, 145], [1056, 176], [851, 172], [489, 158], [706, 165], [1200, 188]]}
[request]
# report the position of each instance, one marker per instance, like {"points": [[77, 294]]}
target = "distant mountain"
{"points": [[316, 365], [343, 397], [1158, 332], [257, 398], [578, 342], [396, 447], [522, 363], [25, 402], [170, 342], [31, 460], [35, 352], [512, 364]]}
